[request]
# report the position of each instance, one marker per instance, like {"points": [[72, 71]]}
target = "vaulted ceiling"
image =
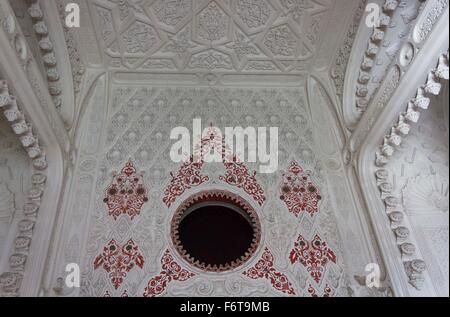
{"points": [[224, 36]]}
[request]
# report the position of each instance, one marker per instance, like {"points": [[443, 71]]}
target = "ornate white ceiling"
{"points": [[230, 36]]}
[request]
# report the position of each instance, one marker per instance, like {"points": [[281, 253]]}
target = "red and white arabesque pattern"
{"points": [[313, 255], [189, 175], [119, 260], [127, 193], [299, 192], [265, 269], [171, 271]]}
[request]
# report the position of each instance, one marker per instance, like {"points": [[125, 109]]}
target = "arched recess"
{"points": [[355, 228], [387, 134], [27, 105]]}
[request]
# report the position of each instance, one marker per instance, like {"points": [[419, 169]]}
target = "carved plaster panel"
{"points": [[203, 36]]}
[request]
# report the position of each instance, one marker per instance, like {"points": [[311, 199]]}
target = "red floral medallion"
{"points": [[313, 255], [119, 260], [265, 269], [171, 271], [299, 192], [127, 193], [326, 292]]}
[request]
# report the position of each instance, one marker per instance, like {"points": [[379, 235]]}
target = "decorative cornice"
{"points": [[19, 65], [46, 47], [369, 59], [21, 127], [403, 62], [414, 267], [412, 115], [341, 61], [78, 67], [10, 282]]}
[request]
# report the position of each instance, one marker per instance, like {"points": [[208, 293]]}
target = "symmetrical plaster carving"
{"points": [[117, 225], [139, 119]]}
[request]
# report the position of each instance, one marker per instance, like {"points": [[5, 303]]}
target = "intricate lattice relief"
{"points": [[265, 269], [127, 193], [254, 13], [210, 60], [212, 23], [140, 38], [281, 41], [299, 192], [171, 271], [297, 8], [237, 174], [172, 12], [243, 46], [313, 255], [119, 260]]}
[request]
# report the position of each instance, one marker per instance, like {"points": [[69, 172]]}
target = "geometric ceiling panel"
{"points": [[225, 36]]}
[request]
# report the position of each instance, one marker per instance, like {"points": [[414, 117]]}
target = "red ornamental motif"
{"points": [[127, 193], [189, 175], [238, 175], [313, 255], [299, 192], [171, 271], [118, 261], [326, 293], [264, 269]]}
